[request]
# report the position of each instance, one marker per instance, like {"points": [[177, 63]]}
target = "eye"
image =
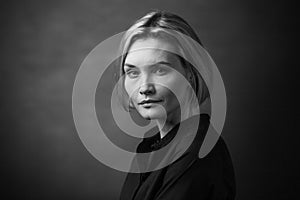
{"points": [[132, 73], [160, 71]]}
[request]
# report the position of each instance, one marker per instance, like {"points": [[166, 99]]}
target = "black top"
{"points": [[188, 177]]}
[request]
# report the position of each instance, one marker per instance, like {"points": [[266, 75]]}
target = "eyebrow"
{"points": [[161, 62]]}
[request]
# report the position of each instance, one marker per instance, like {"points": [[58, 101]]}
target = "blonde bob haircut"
{"points": [[157, 24]]}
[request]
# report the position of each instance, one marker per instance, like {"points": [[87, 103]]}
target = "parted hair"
{"points": [[156, 24]]}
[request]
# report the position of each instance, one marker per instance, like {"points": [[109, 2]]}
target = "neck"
{"points": [[165, 125]]}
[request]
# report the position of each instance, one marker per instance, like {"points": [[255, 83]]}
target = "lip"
{"points": [[149, 101]]}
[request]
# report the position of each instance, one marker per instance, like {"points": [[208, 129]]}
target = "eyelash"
{"points": [[163, 70], [130, 73]]}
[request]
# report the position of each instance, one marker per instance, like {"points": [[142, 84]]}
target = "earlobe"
{"points": [[190, 78], [131, 104], [189, 75]]}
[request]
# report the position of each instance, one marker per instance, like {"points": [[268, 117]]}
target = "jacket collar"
{"points": [[181, 143]]}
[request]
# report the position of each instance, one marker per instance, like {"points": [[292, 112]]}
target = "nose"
{"points": [[146, 84], [147, 89]]}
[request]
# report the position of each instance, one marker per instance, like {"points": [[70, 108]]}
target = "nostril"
{"points": [[147, 89]]}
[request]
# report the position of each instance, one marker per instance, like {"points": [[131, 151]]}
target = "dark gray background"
{"points": [[44, 42]]}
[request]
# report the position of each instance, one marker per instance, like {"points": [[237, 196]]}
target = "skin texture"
{"points": [[146, 71]]}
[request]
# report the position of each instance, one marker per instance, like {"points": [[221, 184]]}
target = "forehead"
{"points": [[152, 50]]}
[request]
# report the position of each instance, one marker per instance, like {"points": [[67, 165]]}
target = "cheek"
{"points": [[174, 83], [130, 88], [127, 87], [172, 87]]}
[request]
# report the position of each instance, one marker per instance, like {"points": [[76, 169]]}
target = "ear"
{"points": [[189, 76], [131, 104]]}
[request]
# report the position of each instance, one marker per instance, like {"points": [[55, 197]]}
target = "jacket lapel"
{"points": [[182, 152]]}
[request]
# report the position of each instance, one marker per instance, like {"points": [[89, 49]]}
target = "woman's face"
{"points": [[150, 76]]}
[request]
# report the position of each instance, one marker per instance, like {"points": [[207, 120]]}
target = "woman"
{"points": [[153, 85]]}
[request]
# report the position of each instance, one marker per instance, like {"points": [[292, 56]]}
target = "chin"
{"points": [[151, 114]]}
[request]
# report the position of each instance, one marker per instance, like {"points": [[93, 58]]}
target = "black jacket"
{"points": [[189, 177]]}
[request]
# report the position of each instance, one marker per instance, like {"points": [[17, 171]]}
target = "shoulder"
{"points": [[214, 172], [211, 177], [216, 160]]}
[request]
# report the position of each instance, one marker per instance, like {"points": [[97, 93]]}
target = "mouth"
{"points": [[149, 102]]}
